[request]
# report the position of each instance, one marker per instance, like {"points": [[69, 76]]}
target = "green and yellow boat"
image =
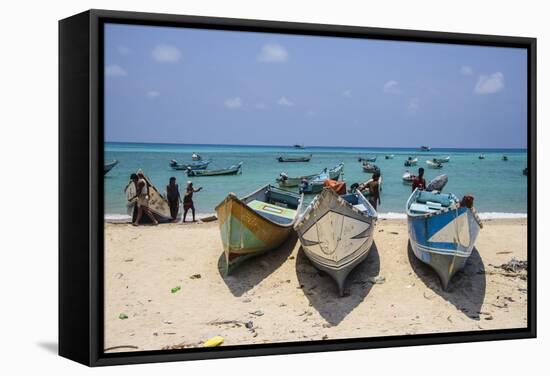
{"points": [[256, 223]]}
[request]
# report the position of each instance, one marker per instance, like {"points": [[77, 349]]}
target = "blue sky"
{"points": [[174, 85]]}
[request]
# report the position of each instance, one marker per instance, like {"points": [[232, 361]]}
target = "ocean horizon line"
{"points": [[317, 146]]}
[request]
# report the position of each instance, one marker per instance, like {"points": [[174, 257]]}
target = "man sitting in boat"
{"points": [[419, 181], [143, 199], [188, 200]]}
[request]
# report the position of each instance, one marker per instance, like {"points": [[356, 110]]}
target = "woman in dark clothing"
{"points": [[188, 200], [173, 197]]}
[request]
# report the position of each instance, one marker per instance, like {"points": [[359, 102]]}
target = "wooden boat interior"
{"points": [[274, 204]]}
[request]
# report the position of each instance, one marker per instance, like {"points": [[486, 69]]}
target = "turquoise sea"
{"points": [[499, 187]]}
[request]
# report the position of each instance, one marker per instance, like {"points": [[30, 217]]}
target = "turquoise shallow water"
{"points": [[498, 186]]}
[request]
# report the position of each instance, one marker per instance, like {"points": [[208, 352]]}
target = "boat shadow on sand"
{"points": [[322, 292], [466, 290], [254, 271]]}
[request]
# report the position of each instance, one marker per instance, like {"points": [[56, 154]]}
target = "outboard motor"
{"points": [[438, 183], [283, 176]]}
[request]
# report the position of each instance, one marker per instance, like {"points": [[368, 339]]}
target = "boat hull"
{"points": [[335, 236], [293, 182], [234, 170], [245, 233], [445, 240], [108, 166]]}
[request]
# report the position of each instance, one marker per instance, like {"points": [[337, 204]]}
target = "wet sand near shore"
{"points": [[164, 289]]}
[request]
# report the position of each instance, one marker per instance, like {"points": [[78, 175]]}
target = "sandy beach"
{"points": [[281, 297]]}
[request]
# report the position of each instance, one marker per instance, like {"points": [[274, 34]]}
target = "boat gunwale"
{"points": [[232, 196]]}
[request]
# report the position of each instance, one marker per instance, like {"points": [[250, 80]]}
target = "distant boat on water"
{"points": [[298, 146], [233, 170], [370, 167], [407, 177], [198, 165], [196, 157], [108, 166], [367, 159], [411, 161], [316, 183], [287, 182], [425, 148], [389, 156], [336, 233], [442, 231], [433, 164], [256, 223], [442, 159], [504, 158], [294, 158], [481, 156]]}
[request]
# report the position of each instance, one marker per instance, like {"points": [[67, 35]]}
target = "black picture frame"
{"points": [[81, 160]]}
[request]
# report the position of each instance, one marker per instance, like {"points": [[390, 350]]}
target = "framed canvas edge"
{"points": [[94, 232]]}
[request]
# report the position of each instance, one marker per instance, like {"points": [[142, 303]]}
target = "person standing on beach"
{"points": [[419, 181], [131, 195], [173, 197], [188, 200], [373, 186], [143, 199]]}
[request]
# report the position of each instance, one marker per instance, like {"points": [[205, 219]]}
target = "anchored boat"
{"points": [[434, 164], [290, 158], [408, 177], [108, 166], [285, 181], [316, 183], [199, 165], [233, 170], [442, 231], [256, 223], [336, 233], [442, 159], [367, 159], [370, 167], [196, 157], [411, 162]]}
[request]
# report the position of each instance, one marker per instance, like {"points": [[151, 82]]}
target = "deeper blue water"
{"points": [[498, 186]]}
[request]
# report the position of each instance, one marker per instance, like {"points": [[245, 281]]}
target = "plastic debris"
{"points": [[257, 313], [195, 276], [175, 289], [123, 316], [213, 342]]}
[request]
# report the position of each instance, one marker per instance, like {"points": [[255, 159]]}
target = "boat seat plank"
{"points": [[423, 208], [272, 211]]}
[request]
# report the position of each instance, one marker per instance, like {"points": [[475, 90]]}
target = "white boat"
{"points": [[336, 233], [408, 177], [481, 156], [442, 159], [411, 161], [433, 164], [196, 157]]}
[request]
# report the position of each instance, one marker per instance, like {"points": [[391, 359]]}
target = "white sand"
{"points": [[295, 302]]}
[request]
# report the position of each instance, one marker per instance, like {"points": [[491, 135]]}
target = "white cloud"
{"points": [[272, 53], [414, 104], [152, 94], [261, 106], [466, 70], [164, 53], [392, 87], [489, 84], [347, 93], [283, 101], [115, 70], [123, 50], [233, 103]]}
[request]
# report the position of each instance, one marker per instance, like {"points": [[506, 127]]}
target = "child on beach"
{"points": [[173, 197], [188, 200]]}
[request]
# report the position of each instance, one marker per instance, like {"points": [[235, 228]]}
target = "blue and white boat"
{"points": [[442, 231]]}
